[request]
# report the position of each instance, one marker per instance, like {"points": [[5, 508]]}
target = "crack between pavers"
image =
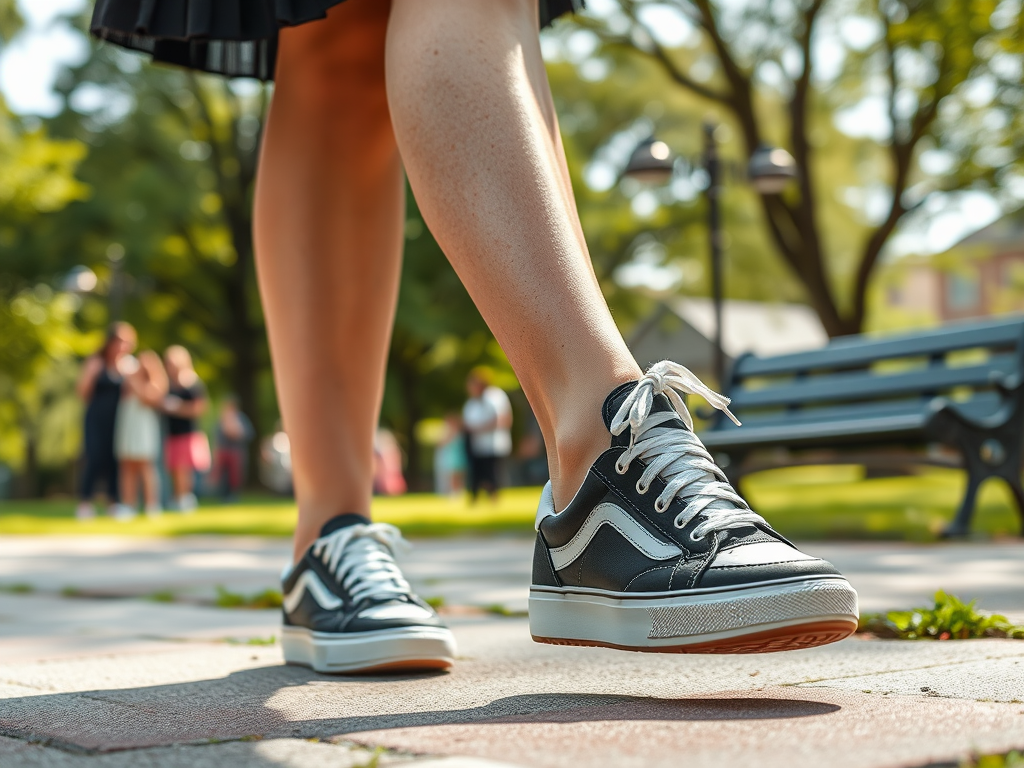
{"points": [[71, 748], [898, 671]]}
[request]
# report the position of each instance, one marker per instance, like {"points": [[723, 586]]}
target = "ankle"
{"points": [[578, 443], [576, 434]]}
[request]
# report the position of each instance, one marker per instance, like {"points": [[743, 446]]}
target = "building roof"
{"points": [[754, 326], [1008, 230], [682, 329]]}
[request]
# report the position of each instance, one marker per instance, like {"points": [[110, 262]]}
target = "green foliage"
{"points": [[39, 340], [435, 602], [268, 598], [949, 619], [10, 19], [40, 344], [1013, 759], [162, 596], [37, 174], [936, 87]]}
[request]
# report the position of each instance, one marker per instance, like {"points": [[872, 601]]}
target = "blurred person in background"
{"points": [[99, 385], [450, 458], [187, 450], [275, 465], [388, 479], [137, 431], [231, 453], [487, 418]]}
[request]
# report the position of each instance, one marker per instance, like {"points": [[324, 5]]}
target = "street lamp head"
{"points": [[80, 279], [652, 162], [770, 169]]}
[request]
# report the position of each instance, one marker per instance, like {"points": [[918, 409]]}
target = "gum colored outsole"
{"points": [[409, 665], [773, 640]]}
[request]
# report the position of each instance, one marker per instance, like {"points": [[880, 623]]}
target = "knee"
{"points": [[336, 63]]}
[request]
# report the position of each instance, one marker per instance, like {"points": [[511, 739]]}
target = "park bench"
{"points": [[950, 396]]}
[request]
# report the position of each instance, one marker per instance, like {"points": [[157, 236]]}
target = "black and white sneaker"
{"points": [[657, 552], [347, 607]]}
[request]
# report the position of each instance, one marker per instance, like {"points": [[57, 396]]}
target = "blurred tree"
{"points": [[10, 19], [933, 90], [38, 337], [168, 228], [660, 248]]}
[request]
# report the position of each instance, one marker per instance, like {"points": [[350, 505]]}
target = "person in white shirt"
{"points": [[487, 419]]}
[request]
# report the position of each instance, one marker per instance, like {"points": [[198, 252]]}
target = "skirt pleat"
{"points": [[236, 38]]}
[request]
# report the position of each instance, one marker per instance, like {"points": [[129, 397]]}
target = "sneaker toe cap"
{"points": [[763, 561]]}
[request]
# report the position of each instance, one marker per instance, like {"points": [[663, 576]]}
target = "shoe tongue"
{"points": [[615, 400], [338, 522]]}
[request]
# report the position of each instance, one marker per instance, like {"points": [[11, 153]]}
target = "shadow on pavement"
{"points": [[298, 703]]}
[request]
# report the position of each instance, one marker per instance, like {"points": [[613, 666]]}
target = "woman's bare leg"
{"points": [[150, 485], [129, 472], [478, 134], [329, 222]]}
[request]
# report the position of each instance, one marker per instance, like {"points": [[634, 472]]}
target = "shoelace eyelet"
{"points": [[658, 507], [621, 470], [642, 489], [694, 538]]}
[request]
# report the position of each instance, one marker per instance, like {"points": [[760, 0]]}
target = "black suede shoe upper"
{"points": [[647, 552], [316, 599]]}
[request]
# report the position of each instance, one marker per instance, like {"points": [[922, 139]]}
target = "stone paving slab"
{"points": [[784, 727], [45, 626], [272, 753], [989, 680], [200, 693]]}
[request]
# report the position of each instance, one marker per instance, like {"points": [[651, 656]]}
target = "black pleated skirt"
{"points": [[237, 38]]}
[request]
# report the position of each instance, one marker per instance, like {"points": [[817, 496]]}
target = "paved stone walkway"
{"points": [[111, 679]]}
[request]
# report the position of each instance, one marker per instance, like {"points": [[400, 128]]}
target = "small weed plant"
{"points": [[16, 589], [268, 598], [950, 619], [1009, 760]]}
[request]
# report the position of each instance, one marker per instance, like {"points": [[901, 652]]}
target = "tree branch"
{"points": [[902, 152], [658, 53]]}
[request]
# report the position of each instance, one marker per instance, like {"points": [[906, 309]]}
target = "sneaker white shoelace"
{"points": [[361, 558], [677, 455]]}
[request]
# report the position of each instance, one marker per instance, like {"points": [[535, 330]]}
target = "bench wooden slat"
{"points": [[885, 420], [859, 351], [796, 435], [865, 385]]}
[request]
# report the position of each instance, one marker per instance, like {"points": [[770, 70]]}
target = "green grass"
{"points": [[949, 619], [802, 502]]}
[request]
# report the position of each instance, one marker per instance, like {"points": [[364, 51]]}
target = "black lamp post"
{"points": [[768, 170]]}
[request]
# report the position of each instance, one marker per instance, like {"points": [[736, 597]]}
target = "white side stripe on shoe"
{"points": [[310, 582], [621, 521]]}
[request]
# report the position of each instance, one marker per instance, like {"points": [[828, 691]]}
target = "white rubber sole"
{"points": [[405, 648], [785, 615]]}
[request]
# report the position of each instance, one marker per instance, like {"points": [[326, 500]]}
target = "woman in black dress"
{"points": [[456, 92], [99, 385]]}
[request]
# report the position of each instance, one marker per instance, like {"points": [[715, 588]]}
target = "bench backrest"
{"points": [[962, 361]]}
